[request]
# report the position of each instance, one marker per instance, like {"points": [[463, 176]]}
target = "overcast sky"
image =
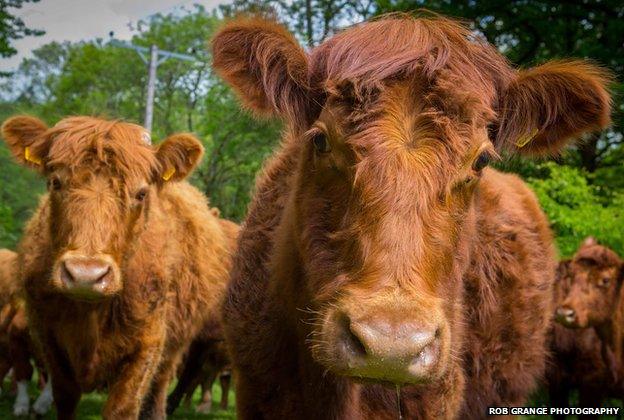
{"points": [[75, 20]]}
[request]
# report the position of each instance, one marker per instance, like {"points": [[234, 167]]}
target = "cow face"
{"points": [[103, 179], [595, 277]]}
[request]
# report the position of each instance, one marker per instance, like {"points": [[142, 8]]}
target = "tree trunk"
{"points": [[309, 30], [588, 149]]}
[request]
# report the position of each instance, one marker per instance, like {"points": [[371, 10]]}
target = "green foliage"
{"points": [[576, 209], [97, 78], [12, 27], [19, 189]]}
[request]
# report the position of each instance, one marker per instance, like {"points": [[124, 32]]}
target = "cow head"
{"points": [[103, 178], [595, 277]]}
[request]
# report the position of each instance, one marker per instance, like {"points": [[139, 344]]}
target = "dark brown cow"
{"points": [[206, 360], [577, 360], [595, 300], [123, 263], [379, 249]]}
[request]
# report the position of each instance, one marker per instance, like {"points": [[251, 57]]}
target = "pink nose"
{"points": [[84, 272], [389, 349]]}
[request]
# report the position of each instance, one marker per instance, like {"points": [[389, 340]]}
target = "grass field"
{"points": [[91, 406]]}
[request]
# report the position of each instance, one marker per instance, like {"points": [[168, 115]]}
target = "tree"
{"points": [[97, 78], [12, 27], [311, 20]]}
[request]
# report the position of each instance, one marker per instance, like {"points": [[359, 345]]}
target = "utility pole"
{"points": [[151, 87], [156, 57]]}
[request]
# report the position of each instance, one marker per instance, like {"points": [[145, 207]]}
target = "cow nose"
{"points": [[84, 271], [400, 351], [565, 315]]}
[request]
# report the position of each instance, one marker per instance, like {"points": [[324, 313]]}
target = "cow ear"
{"points": [[546, 106], [589, 241], [178, 155], [563, 269], [264, 64], [25, 137]]}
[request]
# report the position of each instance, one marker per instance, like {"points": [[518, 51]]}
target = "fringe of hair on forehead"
{"points": [[400, 45], [119, 145]]}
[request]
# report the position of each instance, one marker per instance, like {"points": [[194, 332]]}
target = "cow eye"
{"points": [[604, 282], [54, 184], [141, 194], [481, 162], [321, 144]]}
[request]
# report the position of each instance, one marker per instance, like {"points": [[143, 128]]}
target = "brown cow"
{"points": [[16, 347], [122, 262], [206, 360], [577, 361], [379, 249], [595, 300]]}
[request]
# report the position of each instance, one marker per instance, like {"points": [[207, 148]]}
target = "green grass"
{"points": [[90, 406]]}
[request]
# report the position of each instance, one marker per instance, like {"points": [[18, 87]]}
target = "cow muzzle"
{"points": [[87, 277], [567, 317], [386, 347]]}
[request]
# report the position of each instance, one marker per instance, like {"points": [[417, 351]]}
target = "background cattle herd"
{"points": [[383, 270]]}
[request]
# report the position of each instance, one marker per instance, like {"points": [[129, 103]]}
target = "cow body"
{"points": [[123, 262], [175, 277], [577, 357], [383, 269], [592, 306], [510, 237], [17, 351]]}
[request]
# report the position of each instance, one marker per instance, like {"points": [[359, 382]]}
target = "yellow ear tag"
{"points": [[523, 141], [30, 157], [167, 175]]}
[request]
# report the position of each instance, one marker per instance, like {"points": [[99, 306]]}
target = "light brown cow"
{"points": [[122, 262], [379, 249]]}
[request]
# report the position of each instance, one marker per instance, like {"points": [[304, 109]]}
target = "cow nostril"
{"points": [[66, 275], [351, 342]]}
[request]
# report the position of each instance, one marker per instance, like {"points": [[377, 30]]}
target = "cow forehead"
{"points": [[400, 121], [103, 146]]}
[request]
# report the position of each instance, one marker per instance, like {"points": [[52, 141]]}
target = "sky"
{"points": [[75, 20]]}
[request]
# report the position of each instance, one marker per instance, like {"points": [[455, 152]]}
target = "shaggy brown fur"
{"points": [[577, 361], [594, 299], [116, 201], [376, 216], [9, 288]]}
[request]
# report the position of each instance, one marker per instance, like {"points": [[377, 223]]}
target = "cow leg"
{"points": [[225, 380], [154, 405], [5, 367], [44, 401], [22, 369], [66, 393], [206, 386], [22, 399], [188, 377], [126, 394]]}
